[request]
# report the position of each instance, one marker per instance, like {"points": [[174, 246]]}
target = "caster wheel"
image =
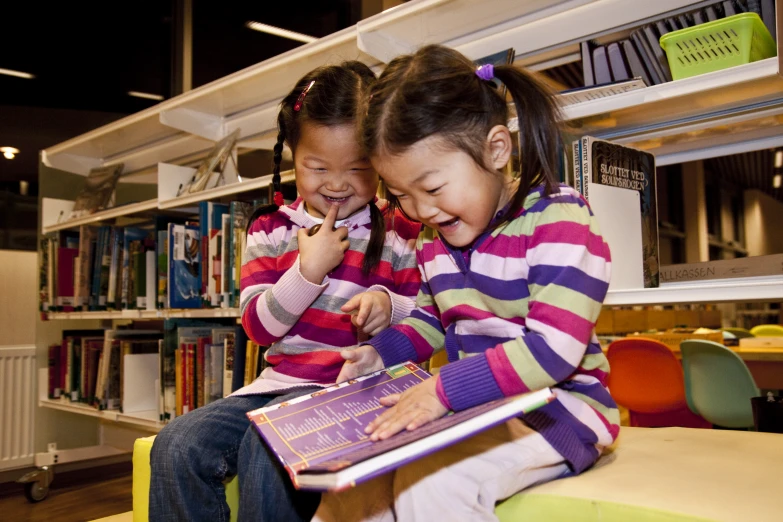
{"points": [[35, 492]]}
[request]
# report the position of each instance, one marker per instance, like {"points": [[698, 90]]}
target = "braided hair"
{"points": [[328, 96]]}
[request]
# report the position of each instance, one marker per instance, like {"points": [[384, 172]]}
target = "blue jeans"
{"points": [[195, 453]]}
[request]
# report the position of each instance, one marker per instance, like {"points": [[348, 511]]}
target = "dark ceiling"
{"points": [[86, 56]]}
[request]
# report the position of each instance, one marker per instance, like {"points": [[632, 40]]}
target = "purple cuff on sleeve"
{"points": [[442, 394], [394, 347], [401, 306], [469, 382]]}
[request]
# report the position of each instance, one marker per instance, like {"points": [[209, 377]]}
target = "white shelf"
{"points": [[196, 313], [226, 190], [693, 89], [123, 210], [724, 290], [147, 419]]}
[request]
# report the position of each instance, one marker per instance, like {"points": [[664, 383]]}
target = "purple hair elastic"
{"points": [[486, 72]]}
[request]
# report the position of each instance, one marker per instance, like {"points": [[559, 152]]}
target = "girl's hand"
{"points": [[359, 361], [324, 251], [409, 410], [374, 311]]}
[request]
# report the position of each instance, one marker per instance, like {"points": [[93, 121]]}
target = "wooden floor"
{"points": [[77, 496]]}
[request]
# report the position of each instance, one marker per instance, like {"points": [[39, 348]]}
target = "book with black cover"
{"points": [[657, 51], [646, 55], [607, 163], [635, 62], [601, 66], [617, 62], [320, 438], [587, 63]]}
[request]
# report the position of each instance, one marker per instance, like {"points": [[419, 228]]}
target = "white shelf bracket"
{"points": [[194, 122], [71, 163]]}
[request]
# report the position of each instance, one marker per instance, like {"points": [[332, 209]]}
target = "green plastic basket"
{"points": [[717, 45]]}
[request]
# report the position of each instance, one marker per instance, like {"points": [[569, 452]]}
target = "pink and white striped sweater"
{"points": [[301, 321]]}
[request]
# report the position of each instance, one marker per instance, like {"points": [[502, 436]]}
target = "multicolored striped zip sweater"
{"points": [[302, 321], [516, 312]]}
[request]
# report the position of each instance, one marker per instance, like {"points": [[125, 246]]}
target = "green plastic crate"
{"points": [[717, 45]]}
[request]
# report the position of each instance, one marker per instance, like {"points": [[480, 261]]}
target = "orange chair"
{"points": [[647, 378]]}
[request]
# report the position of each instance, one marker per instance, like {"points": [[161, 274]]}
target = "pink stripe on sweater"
{"points": [[570, 233], [507, 378], [564, 320]]}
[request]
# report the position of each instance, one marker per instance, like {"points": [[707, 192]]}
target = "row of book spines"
{"points": [[78, 370], [137, 277], [204, 373]]}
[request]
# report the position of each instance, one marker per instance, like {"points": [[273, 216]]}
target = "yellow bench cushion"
{"points": [[660, 474], [141, 483]]}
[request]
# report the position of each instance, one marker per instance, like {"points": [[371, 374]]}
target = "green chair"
{"points": [[767, 330], [739, 333], [718, 385]]}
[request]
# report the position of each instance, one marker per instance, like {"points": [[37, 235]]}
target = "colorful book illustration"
{"points": [[184, 284], [320, 438]]}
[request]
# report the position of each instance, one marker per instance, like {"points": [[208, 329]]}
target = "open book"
{"points": [[320, 438]]}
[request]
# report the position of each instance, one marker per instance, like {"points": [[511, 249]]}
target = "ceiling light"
{"points": [[145, 95], [9, 152], [779, 159], [283, 33], [18, 74], [777, 180]]}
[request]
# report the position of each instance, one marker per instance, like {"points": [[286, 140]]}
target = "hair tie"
{"points": [[278, 198], [300, 100], [486, 72]]}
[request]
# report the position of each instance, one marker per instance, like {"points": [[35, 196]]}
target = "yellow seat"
{"points": [[767, 330], [141, 483], [654, 475]]}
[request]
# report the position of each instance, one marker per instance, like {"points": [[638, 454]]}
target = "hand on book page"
{"points": [[372, 312], [409, 410], [359, 361]]}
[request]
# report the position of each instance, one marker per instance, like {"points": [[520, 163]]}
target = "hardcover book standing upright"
{"points": [[320, 438], [607, 163]]}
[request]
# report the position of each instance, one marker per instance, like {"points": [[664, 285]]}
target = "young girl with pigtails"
{"points": [[334, 265], [514, 273]]}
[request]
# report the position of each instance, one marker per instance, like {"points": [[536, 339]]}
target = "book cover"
{"points": [[131, 236], [234, 362], [225, 271], [617, 62], [104, 267], [586, 49], [619, 166], [240, 214], [320, 438], [215, 372], [601, 65], [635, 62], [115, 267], [184, 261], [82, 284], [65, 277]]}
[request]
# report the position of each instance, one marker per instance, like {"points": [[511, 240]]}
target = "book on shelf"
{"points": [[184, 267], [610, 164], [319, 438]]}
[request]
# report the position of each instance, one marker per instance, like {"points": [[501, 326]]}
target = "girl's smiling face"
{"points": [[445, 189], [332, 170]]}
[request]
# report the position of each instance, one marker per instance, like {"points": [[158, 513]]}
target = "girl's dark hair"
{"points": [[329, 95], [435, 92]]}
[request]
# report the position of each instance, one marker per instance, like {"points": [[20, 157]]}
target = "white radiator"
{"points": [[17, 406]]}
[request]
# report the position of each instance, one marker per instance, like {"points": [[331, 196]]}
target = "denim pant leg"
{"points": [[266, 493], [193, 455]]}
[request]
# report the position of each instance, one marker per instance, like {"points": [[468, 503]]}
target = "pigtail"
{"points": [[374, 253], [538, 133], [277, 189]]}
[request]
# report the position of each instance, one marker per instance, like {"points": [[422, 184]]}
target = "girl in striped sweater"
{"points": [[335, 251], [514, 272]]}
